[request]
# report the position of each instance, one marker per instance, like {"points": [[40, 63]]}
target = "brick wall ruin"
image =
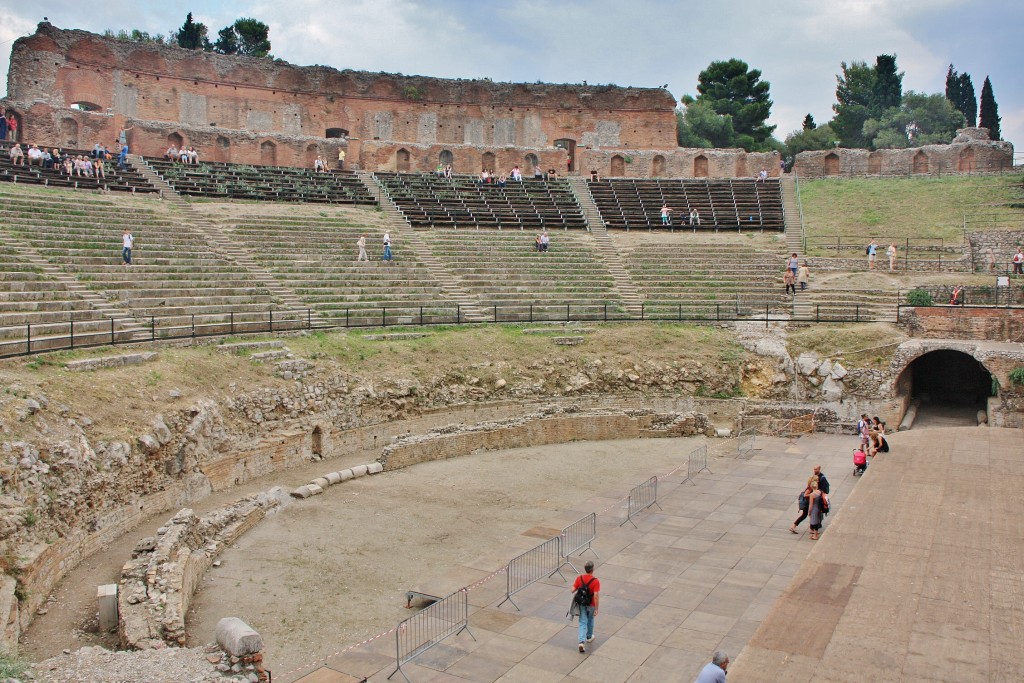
{"points": [[970, 152]]}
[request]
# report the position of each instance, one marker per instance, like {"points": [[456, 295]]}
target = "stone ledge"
{"points": [[248, 346], [157, 584], [396, 336], [568, 341], [111, 361]]}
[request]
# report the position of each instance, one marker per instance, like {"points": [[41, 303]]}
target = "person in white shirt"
{"points": [[127, 242]]}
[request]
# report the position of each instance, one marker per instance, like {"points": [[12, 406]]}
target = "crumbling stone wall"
{"points": [[249, 101], [970, 152], [956, 322]]}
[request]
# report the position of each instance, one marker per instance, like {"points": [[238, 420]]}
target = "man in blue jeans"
{"points": [[588, 612]]}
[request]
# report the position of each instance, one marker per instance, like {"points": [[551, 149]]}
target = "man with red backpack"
{"points": [[586, 597]]}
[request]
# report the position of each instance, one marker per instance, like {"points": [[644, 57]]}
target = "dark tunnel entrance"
{"points": [[951, 386]]}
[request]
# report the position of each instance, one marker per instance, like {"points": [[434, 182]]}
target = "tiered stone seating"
{"points": [[271, 183], [430, 201], [679, 275], [744, 204], [176, 274], [315, 256], [128, 180], [503, 270]]}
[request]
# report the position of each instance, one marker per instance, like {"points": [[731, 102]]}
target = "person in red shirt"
{"points": [[588, 612]]}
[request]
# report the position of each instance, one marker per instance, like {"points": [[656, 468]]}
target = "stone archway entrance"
{"points": [[951, 386], [618, 168]]}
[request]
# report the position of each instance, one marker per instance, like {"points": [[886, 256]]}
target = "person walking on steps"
{"points": [[586, 598]]}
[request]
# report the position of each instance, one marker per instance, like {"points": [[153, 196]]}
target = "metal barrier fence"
{"points": [[745, 441], [642, 497], [539, 563], [697, 463], [21, 340], [447, 617], [577, 538]]}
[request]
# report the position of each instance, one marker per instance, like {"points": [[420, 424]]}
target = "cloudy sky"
{"points": [[797, 44]]}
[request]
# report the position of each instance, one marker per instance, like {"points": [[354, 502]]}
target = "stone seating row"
{"points": [[430, 201], [117, 180], [730, 204], [272, 183]]}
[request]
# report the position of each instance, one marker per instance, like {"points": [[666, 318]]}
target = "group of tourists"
{"points": [[8, 126], [693, 217], [796, 272], [872, 253], [361, 245], [185, 156], [79, 165]]}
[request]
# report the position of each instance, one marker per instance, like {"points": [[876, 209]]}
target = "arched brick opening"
{"points": [[569, 145], [920, 162], [446, 158], [951, 385], [487, 161], [532, 164], [332, 133], [700, 167], [874, 163], [966, 162], [68, 132], [832, 164], [268, 153], [658, 166], [739, 167], [618, 167], [312, 152], [176, 140], [402, 158], [222, 149], [85, 106]]}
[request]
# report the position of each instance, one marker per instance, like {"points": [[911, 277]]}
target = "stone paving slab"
{"points": [[914, 579]]}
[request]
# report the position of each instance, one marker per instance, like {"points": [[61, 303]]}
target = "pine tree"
{"points": [[809, 123], [888, 87], [990, 111]]}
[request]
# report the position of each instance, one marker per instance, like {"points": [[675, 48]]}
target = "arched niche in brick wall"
{"points": [[333, 133], [532, 163], [176, 140], [268, 153], [920, 162], [874, 163], [446, 158], [618, 167], [487, 161], [222, 149], [700, 167], [658, 166], [68, 132], [312, 152], [569, 145], [831, 164], [966, 163], [402, 160]]}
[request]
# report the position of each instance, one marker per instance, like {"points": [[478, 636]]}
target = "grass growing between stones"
{"points": [[900, 208], [864, 344]]}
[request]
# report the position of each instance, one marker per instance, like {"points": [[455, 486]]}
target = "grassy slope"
{"points": [[897, 208]]}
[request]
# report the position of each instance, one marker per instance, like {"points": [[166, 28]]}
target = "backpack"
{"points": [[867, 250], [584, 596], [826, 507], [801, 501]]}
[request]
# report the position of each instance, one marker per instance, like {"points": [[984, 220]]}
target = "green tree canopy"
{"points": [[809, 123], [193, 35], [920, 120], [698, 125], [854, 99], [820, 137], [990, 111], [888, 87], [732, 89], [246, 36]]}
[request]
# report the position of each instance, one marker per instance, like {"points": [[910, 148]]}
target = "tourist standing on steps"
{"points": [[127, 242], [361, 243], [1018, 262], [789, 279], [387, 246], [891, 253], [793, 264], [587, 612], [803, 276], [714, 672], [666, 215], [872, 254]]}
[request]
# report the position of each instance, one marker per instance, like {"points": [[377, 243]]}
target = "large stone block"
{"points": [[237, 638]]}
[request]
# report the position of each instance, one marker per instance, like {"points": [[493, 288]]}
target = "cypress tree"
{"points": [[888, 87], [990, 111], [809, 123], [968, 103]]}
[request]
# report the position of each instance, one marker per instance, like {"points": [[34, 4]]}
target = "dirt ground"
{"points": [[333, 570]]}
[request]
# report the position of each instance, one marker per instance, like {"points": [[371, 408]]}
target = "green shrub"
{"points": [[919, 297], [1017, 376]]}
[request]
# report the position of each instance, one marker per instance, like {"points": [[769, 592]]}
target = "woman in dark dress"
{"points": [[814, 510]]}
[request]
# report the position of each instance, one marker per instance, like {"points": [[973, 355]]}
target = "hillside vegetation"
{"points": [[894, 209]]}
